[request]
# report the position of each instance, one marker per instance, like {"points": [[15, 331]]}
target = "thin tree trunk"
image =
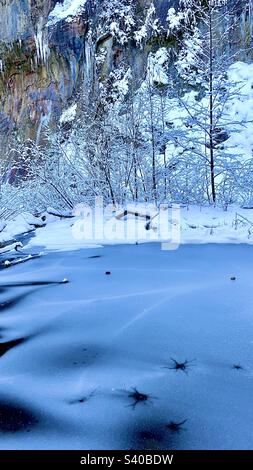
{"points": [[135, 180], [154, 185], [164, 155], [211, 127]]}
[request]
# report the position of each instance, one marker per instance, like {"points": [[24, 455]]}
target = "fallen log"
{"points": [[8, 263], [127, 212], [5, 248], [60, 214]]}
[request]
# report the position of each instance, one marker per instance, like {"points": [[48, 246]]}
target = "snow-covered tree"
{"points": [[202, 63], [117, 19]]}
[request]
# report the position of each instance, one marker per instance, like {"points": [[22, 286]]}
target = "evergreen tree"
{"points": [[202, 64]]}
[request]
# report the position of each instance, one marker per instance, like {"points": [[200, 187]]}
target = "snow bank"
{"points": [[15, 227], [23, 223], [57, 236], [198, 225]]}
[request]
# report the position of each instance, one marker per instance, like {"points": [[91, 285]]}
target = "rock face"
{"points": [[40, 68], [44, 62]]}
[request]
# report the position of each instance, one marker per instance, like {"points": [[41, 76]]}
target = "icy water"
{"points": [[156, 354]]}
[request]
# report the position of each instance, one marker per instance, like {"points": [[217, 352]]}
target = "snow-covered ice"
{"points": [[71, 354]]}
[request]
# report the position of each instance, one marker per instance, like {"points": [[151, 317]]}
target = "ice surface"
{"points": [[71, 353]]}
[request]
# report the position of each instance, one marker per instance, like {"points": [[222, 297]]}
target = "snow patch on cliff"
{"points": [[150, 24], [69, 114], [66, 11], [157, 67], [174, 20]]}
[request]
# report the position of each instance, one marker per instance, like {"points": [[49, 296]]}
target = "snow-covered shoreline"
{"points": [[197, 225]]}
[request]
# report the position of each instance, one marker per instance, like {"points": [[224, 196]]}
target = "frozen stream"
{"points": [[72, 354]]}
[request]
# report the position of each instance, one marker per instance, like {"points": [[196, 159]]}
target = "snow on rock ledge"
{"points": [[66, 11], [69, 114]]}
